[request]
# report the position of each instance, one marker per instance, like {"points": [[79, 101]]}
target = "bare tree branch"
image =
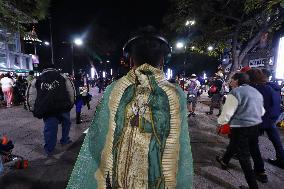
{"points": [[257, 37]]}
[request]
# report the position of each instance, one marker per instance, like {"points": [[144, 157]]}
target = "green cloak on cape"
{"points": [[164, 155]]}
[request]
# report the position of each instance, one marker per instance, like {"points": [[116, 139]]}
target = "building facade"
{"points": [[11, 57]]}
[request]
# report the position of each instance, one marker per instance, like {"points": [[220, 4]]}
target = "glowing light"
{"points": [[78, 41], [180, 45], [168, 73], [204, 76], [210, 48], [110, 71], [92, 72], [108, 61], [104, 74], [189, 22], [46, 43], [280, 60]]}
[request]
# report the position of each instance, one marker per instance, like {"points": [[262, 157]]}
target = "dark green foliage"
{"points": [[15, 13], [237, 24]]}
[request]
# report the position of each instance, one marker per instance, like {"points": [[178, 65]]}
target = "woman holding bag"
{"points": [[243, 110]]}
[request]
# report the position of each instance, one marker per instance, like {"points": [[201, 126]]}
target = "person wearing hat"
{"points": [[216, 99], [193, 86], [139, 136]]}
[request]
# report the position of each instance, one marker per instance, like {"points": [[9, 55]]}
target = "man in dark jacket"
{"points": [[272, 100], [51, 97]]}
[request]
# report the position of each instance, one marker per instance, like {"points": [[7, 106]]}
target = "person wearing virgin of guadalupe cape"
{"points": [[139, 136]]}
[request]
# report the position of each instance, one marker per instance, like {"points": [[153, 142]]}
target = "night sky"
{"points": [[105, 26]]}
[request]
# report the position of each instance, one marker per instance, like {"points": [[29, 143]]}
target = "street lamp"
{"points": [[190, 22], [77, 42], [46, 43], [179, 45], [210, 48]]}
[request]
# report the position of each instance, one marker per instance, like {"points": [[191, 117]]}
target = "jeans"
{"points": [[79, 105], [51, 128], [273, 135], [243, 142]]}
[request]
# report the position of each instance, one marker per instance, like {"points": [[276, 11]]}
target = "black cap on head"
{"points": [[147, 45]]}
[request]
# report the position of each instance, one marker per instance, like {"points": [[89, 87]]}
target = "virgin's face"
{"points": [[234, 83]]}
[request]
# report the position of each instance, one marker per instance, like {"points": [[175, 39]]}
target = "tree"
{"points": [[15, 14], [237, 25]]}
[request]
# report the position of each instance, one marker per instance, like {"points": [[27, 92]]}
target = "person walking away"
{"points": [[51, 97], [243, 110], [19, 90], [193, 86], [79, 88], [7, 84], [100, 83], [86, 95], [216, 94], [272, 103], [139, 137]]}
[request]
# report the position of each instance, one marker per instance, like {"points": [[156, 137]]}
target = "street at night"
{"points": [[164, 94], [26, 132]]}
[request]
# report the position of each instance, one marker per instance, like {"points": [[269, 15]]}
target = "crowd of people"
{"points": [[13, 88], [139, 136], [250, 104]]}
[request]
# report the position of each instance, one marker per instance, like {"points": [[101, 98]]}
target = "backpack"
{"points": [[192, 88], [213, 89], [52, 95]]}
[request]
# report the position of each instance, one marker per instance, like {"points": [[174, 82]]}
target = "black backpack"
{"points": [[52, 95]]}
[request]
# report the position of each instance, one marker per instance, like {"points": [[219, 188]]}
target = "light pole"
{"points": [[51, 41], [181, 46], [77, 42]]}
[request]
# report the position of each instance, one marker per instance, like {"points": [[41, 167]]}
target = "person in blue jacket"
{"points": [[272, 101]]}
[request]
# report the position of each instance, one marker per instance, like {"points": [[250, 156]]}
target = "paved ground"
{"points": [[27, 134], [206, 144]]}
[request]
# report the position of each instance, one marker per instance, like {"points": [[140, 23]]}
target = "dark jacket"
{"points": [[77, 85], [272, 101], [50, 94], [218, 83]]}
